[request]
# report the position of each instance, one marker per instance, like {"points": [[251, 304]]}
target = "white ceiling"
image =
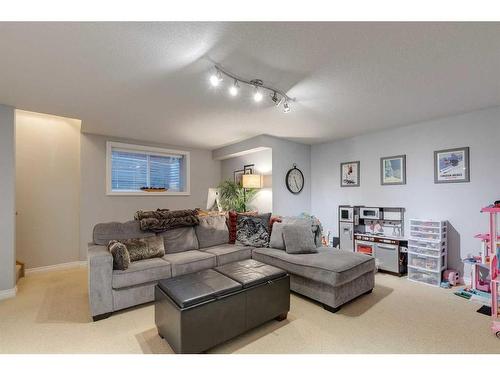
{"points": [[149, 81]]}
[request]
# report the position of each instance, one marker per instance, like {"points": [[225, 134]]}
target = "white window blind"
{"points": [[132, 170]]}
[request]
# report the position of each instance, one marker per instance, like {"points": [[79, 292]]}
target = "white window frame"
{"points": [[110, 146]]}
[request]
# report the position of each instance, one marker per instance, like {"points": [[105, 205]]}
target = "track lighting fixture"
{"points": [[277, 101], [216, 78], [286, 107], [277, 96], [257, 96], [233, 90]]}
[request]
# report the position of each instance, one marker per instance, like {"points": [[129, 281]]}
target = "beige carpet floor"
{"points": [[51, 315]]}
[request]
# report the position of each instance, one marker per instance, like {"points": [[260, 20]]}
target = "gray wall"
{"points": [[285, 154], [7, 198], [459, 203], [96, 206], [263, 165], [47, 189]]}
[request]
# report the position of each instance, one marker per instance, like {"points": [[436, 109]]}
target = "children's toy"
{"points": [[463, 294], [492, 245], [451, 276], [445, 284]]}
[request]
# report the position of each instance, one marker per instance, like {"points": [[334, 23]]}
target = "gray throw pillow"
{"points": [[253, 230], [121, 257], [298, 239], [144, 248], [276, 241]]}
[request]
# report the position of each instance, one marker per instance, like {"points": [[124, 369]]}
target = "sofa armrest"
{"points": [[100, 272]]}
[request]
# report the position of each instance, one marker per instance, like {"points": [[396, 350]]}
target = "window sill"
{"points": [[141, 193]]}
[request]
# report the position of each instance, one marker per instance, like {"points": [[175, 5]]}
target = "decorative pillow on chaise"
{"points": [[298, 239], [253, 230], [121, 257], [144, 248], [276, 239]]}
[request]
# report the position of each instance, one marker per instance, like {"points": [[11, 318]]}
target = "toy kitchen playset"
{"points": [[376, 231]]}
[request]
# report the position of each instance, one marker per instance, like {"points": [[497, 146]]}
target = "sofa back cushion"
{"points": [[212, 231], [105, 232], [179, 239]]}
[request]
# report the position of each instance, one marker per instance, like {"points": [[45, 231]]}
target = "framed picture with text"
{"points": [[451, 165]]}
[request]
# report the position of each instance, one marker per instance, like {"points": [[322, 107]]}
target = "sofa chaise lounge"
{"points": [[331, 276]]}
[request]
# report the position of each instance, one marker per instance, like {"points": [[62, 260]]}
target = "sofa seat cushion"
{"points": [[140, 272], [328, 265], [179, 239], [228, 253], [190, 261]]}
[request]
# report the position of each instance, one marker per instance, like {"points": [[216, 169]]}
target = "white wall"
{"points": [[47, 189], [7, 199], [97, 207], [263, 165], [285, 154], [459, 203]]}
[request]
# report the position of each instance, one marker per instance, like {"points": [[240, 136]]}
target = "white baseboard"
{"points": [[56, 267], [8, 293]]}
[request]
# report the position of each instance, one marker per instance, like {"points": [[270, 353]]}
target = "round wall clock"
{"points": [[294, 180]]}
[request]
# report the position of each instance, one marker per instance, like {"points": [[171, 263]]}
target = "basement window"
{"points": [[142, 170]]}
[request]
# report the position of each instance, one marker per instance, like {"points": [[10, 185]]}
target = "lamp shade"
{"points": [[252, 181]]}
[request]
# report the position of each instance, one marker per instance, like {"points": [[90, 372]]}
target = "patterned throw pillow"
{"points": [[232, 222], [145, 248], [121, 257], [253, 230]]}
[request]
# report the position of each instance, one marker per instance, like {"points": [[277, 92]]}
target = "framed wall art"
{"points": [[249, 168], [349, 174], [238, 176], [393, 170], [451, 165]]}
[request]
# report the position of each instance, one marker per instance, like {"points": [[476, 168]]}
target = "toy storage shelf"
{"points": [[427, 251]]}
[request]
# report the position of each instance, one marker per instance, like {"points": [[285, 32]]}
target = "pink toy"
{"points": [[452, 276]]}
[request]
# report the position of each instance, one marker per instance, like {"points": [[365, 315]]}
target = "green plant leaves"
{"points": [[233, 197]]}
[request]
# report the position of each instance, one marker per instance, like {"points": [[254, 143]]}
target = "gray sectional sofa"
{"points": [[331, 276]]}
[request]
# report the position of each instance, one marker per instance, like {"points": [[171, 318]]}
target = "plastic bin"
{"points": [[426, 277]]}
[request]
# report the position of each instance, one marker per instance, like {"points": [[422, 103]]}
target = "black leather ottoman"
{"points": [[195, 312]]}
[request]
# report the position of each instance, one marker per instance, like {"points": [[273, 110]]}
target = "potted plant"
{"points": [[233, 197]]}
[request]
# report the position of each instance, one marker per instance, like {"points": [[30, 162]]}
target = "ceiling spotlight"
{"points": [[258, 95], [233, 90], [277, 101], [286, 107], [216, 78]]}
